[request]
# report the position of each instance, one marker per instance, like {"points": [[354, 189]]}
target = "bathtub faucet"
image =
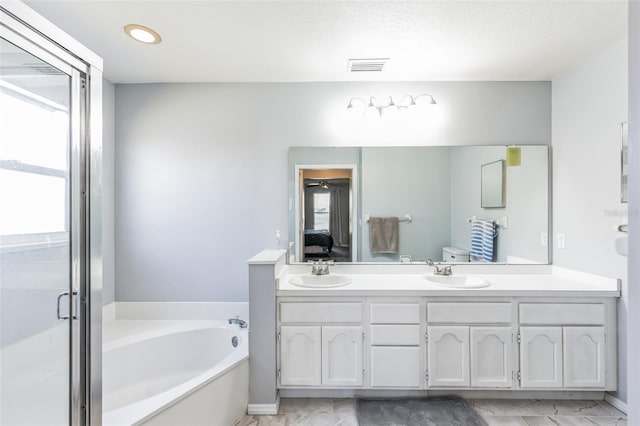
{"points": [[237, 320]]}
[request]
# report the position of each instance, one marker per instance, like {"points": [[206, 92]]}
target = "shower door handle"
{"points": [[71, 307], [60, 296]]}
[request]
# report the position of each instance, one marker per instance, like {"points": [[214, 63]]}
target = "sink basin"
{"points": [[320, 281], [458, 281]]}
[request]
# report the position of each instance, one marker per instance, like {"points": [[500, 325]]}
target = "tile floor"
{"points": [[496, 412]]}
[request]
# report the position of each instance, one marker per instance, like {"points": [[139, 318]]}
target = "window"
{"points": [[33, 166], [321, 209]]}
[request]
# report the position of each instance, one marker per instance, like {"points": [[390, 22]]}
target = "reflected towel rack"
{"points": [[406, 218], [503, 222]]}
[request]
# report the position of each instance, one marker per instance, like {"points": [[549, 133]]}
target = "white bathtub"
{"points": [[174, 373]]}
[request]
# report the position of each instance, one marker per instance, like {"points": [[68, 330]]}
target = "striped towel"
{"points": [[483, 233]]}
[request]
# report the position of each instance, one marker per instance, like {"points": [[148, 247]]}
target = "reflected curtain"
{"points": [[337, 221]]}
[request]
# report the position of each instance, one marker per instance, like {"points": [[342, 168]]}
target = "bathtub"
{"points": [[174, 373]]}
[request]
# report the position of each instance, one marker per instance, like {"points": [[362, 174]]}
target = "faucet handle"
{"points": [[430, 262]]}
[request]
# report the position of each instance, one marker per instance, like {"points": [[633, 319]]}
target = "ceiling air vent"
{"points": [[367, 65]]}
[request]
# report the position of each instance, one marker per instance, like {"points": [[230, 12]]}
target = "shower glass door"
{"points": [[41, 236]]}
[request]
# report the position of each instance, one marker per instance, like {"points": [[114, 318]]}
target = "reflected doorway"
{"points": [[325, 213]]}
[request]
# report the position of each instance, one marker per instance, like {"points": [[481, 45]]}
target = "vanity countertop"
{"points": [[552, 281]]}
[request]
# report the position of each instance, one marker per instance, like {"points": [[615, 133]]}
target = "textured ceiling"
{"points": [[268, 41]]}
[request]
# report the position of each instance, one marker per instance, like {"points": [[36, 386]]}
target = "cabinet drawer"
{"points": [[395, 367], [468, 313], [396, 335], [395, 313], [562, 313], [326, 313]]}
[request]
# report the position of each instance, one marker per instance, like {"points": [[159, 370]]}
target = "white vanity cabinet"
{"points": [[342, 356], [395, 338], [540, 357], [571, 353], [447, 343], [326, 353], [584, 357], [448, 356], [491, 357], [473, 346], [300, 355]]}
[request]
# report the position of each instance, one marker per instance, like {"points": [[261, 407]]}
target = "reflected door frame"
{"points": [[299, 208]]}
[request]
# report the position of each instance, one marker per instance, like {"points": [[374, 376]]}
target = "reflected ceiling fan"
{"points": [[321, 183]]}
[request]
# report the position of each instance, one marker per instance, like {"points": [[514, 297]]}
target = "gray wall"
{"points": [[108, 196], [201, 168], [589, 104], [527, 200], [396, 182]]}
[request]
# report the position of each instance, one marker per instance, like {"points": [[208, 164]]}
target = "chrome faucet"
{"points": [[440, 270], [320, 267], [237, 320]]}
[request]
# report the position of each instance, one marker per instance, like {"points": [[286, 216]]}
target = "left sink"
{"points": [[319, 281]]}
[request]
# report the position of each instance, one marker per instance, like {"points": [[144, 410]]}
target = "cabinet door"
{"points": [[300, 356], [448, 356], [584, 357], [491, 357], [342, 356], [395, 366], [541, 357]]}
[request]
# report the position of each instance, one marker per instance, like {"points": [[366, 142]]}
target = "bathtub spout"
{"points": [[237, 320]]}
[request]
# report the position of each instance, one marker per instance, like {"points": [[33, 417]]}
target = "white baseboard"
{"points": [[264, 409], [620, 405]]}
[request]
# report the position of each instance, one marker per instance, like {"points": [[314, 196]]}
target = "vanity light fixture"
{"points": [[406, 102], [142, 34]]}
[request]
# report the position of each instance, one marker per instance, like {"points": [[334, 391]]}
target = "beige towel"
{"points": [[383, 234]]}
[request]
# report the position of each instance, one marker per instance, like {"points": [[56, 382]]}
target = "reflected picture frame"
{"points": [[624, 162], [492, 185]]}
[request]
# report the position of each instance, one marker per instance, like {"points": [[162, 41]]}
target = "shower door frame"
{"points": [[29, 31]]}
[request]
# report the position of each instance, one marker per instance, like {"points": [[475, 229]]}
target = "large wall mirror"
{"points": [[417, 203]]}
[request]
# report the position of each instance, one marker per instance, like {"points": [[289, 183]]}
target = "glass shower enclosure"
{"points": [[45, 277]]}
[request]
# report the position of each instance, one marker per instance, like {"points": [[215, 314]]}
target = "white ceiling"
{"points": [[286, 41]]}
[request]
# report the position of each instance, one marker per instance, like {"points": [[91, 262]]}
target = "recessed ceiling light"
{"points": [[142, 34]]}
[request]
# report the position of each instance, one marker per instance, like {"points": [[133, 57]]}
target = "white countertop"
{"points": [[553, 281]]}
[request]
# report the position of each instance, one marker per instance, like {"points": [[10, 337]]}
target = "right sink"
{"points": [[458, 281]]}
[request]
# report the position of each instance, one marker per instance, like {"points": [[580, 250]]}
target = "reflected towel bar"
{"points": [[406, 218], [503, 222]]}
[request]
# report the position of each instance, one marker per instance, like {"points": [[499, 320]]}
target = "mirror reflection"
{"points": [[393, 204], [492, 185]]}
